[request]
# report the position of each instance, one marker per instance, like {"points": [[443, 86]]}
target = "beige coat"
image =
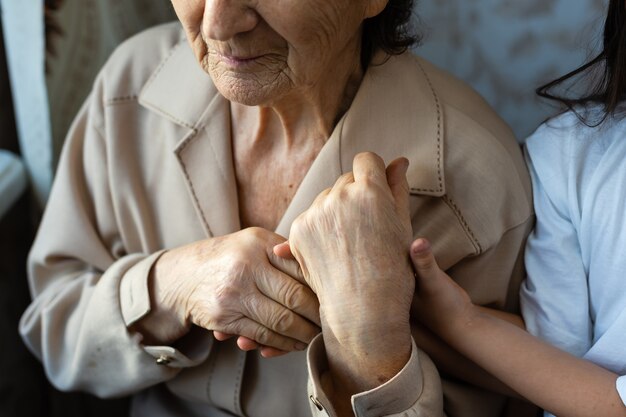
{"points": [[147, 166]]}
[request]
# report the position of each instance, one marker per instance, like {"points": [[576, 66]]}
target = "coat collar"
{"points": [[396, 112], [179, 90]]}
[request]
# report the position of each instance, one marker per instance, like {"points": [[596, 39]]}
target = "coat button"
{"points": [[163, 360], [316, 403]]}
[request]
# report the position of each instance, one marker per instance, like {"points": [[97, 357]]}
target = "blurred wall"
{"points": [[507, 48]]}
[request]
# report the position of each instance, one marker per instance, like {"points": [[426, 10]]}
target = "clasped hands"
{"points": [[345, 270], [351, 249]]}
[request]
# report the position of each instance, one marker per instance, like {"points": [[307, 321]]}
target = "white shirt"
{"points": [[575, 293]]}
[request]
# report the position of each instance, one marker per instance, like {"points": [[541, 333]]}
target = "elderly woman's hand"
{"points": [[352, 245], [232, 284]]}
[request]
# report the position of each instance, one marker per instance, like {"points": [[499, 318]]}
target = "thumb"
{"points": [[283, 250], [424, 262], [396, 178]]}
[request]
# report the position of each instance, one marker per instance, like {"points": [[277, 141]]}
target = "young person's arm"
{"points": [[554, 380]]}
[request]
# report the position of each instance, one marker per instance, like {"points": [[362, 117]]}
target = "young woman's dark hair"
{"points": [[390, 31], [607, 69]]}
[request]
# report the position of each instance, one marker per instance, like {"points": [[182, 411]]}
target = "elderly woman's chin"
{"points": [[253, 84]]}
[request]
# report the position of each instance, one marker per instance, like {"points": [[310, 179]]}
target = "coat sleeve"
{"points": [[414, 391], [75, 324]]}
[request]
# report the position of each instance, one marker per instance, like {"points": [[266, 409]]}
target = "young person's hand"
{"points": [[439, 302]]}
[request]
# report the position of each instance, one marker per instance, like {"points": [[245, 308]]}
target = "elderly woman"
{"points": [[165, 230]]}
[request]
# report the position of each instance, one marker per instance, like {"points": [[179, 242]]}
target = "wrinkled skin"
{"points": [[232, 284], [261, 51], [352, 245]]}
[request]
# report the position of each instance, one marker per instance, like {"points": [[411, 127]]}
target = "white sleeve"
{"points": [[554, 298], [621, 388]]}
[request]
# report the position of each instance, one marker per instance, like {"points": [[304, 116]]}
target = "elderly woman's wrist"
{"points": [[165, 322], [367, 364], [351, 323]]}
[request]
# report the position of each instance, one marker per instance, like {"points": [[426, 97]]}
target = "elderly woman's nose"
{"points": [[223, 19]]}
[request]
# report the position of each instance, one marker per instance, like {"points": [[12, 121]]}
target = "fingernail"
{"points": [[300, 346], [420, 246]]}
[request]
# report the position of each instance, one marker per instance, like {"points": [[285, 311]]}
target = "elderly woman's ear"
{"points": [[375, 7]]}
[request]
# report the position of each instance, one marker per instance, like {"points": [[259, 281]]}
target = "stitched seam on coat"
{"points": [[208, 384], [438, 107], [188, 179], [219, 162], [160, 67], [121, 99], [464, 223], [174, 118], [242, 362]]}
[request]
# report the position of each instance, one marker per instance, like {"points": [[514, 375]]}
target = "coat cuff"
{"points": [[191, 350], [134, 291], [401, 393]]}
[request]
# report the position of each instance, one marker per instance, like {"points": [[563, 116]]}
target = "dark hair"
{"points": [[607, 72], [390, 31]]}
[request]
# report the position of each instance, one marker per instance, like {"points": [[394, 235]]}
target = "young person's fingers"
{"points": [[221, 336], [270, 352], [424, 261], [283, 250], [265, 336], [246, 344]]}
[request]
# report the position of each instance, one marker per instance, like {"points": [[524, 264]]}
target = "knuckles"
{"points": [[262, 335], [295, 297], [282, 321]]}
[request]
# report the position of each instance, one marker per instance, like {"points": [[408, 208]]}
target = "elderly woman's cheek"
{"points": [[190, 13]]}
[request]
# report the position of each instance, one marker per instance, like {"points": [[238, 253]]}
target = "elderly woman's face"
{"points": [[257, 51]]}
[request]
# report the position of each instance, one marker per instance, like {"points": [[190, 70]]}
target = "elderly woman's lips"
{"points": [[237, 61]]}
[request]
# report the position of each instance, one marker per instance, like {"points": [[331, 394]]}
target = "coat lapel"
{"points": [[183, 93], [323, 173], [206, 160]]}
